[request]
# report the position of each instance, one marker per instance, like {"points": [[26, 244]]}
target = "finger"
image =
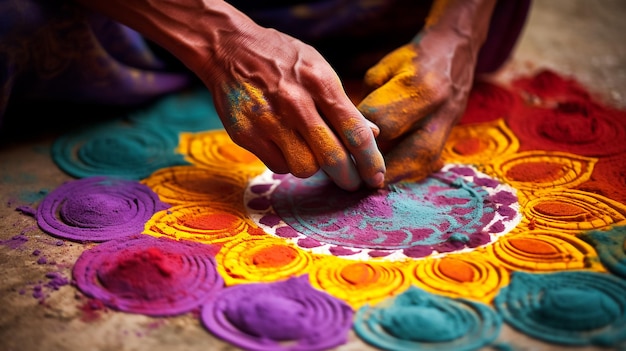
{"points": [[356, 135], [398, 106], [297, 154], [417, 156], [388, 67]]}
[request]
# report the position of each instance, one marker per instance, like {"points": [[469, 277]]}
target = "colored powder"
{"points": [[130, 152], [213, 221], [469, 146], [611, 247], [571, 307], [570, 122], [91, 310], [562, 210], [547, 84], [285, 315], [274, 256], [360, 274], [27, 210], [153, 276], [458, 270], [97, 209], [533, 246], [488, 102], [416, 320], [15, 242], [443, 213], [539, 172], [608, 178]]}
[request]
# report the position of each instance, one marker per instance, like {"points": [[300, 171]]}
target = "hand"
{"points": [[418, 93], [279, 98]]}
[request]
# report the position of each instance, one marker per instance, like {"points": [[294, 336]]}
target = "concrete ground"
{"points": [[584, 38]]}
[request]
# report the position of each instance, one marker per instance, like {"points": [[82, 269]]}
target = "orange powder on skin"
{"points": [[274, 256], [535, 172], [245, 102], [457, 270], [324, 141]]}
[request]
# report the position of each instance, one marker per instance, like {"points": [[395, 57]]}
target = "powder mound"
{"points": [[147, 275], [611, 247], [488, 102], [286, 315], [417, 319], [571, 307], [97, 209], [125, 151], [446, 212]]}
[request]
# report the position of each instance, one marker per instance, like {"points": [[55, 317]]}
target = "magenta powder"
{"points": [[153, 276], [97, 209]]}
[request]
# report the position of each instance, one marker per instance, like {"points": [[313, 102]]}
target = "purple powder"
{"points": [[36, 252], [379, 253], [27, 210], [261, 188], [342, 251], [308, 243], [268, 316], [287, 232], [42, 260], [497, 227], [270, 220], [97, 209], [259, 203], [486, 182], [15, 242]]}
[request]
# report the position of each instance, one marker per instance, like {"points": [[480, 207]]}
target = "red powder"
{"points": [[274, 256], [470, 146], [533, 246], [359, 274], [141, 273], [562, 209], [488, 102], [608, 178], [213, 221], [457, 270], [535, 172], [547, 84]]}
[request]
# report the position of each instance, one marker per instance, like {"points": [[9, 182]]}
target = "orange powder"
{"points": [[274, 256], [237, 154], [359, 274], [213, 221], [457, 270], [533, 246], [535, 172], [561, 209], [469, 146]]}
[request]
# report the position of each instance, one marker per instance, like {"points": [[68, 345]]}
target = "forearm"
{"points": [[468, 20], [192, 30]]}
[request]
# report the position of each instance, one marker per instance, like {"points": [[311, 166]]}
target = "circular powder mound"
{"points": [[126, 151], [286, 315], [418, 320], [454, 209], [147, 275], [97, 209], [573, 307]]}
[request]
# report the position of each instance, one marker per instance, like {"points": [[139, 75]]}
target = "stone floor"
{"points": [[578, 37]]}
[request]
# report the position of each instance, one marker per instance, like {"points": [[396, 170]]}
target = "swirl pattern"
{"points": [[446, 212], [130, 152], [418, 320], [97, 209], [611, 247], [571, 307], [286, 315], [146, 275]]}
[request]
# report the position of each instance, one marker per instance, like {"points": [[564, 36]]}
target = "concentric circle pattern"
{"points": [[418, 320], [573, 308], [97, 209], [286, 315], [146, 275], [126, 151], [449, 211]]}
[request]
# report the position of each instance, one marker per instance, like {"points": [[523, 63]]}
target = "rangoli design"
{"points": [[524, 226]]}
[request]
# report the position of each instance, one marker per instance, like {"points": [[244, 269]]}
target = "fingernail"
{"points": [[377, 180]]}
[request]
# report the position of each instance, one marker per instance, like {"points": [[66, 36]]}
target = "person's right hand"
{"points": [[279, 98]]}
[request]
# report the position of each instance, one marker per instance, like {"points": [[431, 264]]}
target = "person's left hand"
{"points": [[418, 93]]}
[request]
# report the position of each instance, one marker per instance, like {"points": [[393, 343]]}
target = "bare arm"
{"points": [[275, 95]]}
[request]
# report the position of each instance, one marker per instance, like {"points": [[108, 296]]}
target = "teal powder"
{"points": [[419, 320], [610, 246], [571, 307]]}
